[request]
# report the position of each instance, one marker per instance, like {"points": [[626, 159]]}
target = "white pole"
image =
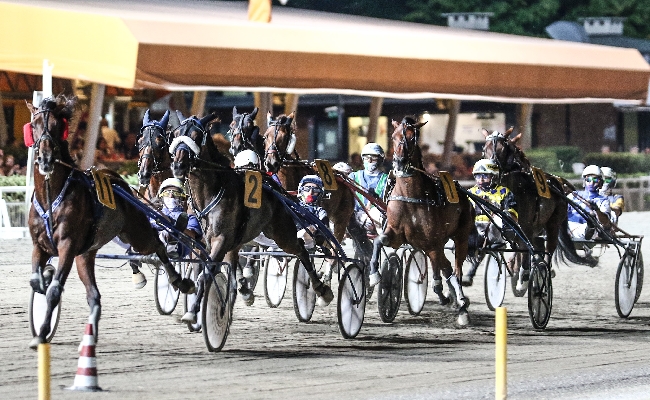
{"points": [[92, 133]]}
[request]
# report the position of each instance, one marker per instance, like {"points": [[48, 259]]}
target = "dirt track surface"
{"points": [[586, 352]]}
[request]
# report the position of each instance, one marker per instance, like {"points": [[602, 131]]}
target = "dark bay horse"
{"points": [[217, 195], [537, 214], [280, 158], [66, 219], [154, 162], [419, 214], [244, 134]]}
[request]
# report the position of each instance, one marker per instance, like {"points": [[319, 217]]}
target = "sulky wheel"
{"points": [[415, 281], [216, 311], [304, 296], [165, 294], [275, 280], [495, 280], [540, 295], [389, 294], [626, 284], [351, 307], [38, 307]]}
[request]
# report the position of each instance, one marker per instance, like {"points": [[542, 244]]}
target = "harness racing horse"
{"points": [[66, 219], [279, 158], [217, 195], [537, 214], [154, 162], [418, 214], [244, 134]]}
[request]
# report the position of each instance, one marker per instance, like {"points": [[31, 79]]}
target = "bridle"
{"points": [[408, 147], [185, 139], [273, 148], [511, 162], [149, 133], [46, 135], [238, 129]]}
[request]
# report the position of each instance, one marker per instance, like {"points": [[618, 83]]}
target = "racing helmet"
{"points": [[592, 170], [372, 149], [247, 159], [609, 173], [313, 196], [168, 186], [486, 166]]}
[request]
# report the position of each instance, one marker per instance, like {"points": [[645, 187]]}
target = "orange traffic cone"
{"points": [[86, 378]]}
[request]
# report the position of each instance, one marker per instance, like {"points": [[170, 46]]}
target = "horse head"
{"points": [[503, 149], [243, 133], [279, 140], [405, 145], [188, 140], [152, 146], [48, 130]]}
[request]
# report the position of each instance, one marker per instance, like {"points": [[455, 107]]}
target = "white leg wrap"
{"points": [[453, 281]]}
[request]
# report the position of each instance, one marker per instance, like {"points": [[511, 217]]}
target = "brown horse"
{"points": [[66, 219], [537, 214], [154, 162], [280, 158], [419, 214], [217, 194]]}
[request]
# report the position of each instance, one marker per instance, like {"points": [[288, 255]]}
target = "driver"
{"points": [[588, 200], [486, 175], [374, 180], [248, 159], [616, 201]]}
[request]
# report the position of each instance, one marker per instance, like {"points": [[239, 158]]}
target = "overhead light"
{"points": [[283, 2]]}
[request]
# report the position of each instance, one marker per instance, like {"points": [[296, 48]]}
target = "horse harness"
{"points": [[148, 133]]}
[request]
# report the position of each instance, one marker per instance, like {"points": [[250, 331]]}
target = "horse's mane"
{"points": [[213, 152]]}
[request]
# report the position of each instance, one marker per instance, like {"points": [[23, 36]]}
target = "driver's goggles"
{"points": [[313, 189], [608, 180], [174, 194], [592, 179], [482, 176]]}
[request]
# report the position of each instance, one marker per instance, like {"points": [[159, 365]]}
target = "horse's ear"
{"points": [[420, 124], [290, 119], [180, 116], [164, 120], [485, 132], [395, 124], [31, 107], [207, 119], [71, 103], [146, 121], [292, 144], [234, 112], [516, 138], [508, 132], [269, 118], [254, 113]]}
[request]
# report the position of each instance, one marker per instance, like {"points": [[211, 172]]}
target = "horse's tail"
{"points": [[473, 245], [567, 251]]}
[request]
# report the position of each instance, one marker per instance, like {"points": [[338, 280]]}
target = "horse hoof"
{"points": [[374, 279], [35, 342], [552, 273], [248, 272], [189, 317], [463, 318], [37, 283], [443, 301], [467, 281], [185, 285], [325, 294], [139, 280]]}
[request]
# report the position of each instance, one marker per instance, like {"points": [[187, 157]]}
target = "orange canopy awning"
{"points": [[194, 45]]}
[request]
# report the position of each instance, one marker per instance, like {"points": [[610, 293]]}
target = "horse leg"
{"points": [[54, 291], [451, 275], [86, 270], [383, 239], [37, 280]]}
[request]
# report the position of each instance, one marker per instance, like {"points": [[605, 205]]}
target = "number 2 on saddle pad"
{"points": [[326, 174], [540, 181], [253, 189], [104, 189], [450, 187]]}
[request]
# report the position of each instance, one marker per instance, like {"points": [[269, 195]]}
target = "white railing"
{"points": [[13, 214]]}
